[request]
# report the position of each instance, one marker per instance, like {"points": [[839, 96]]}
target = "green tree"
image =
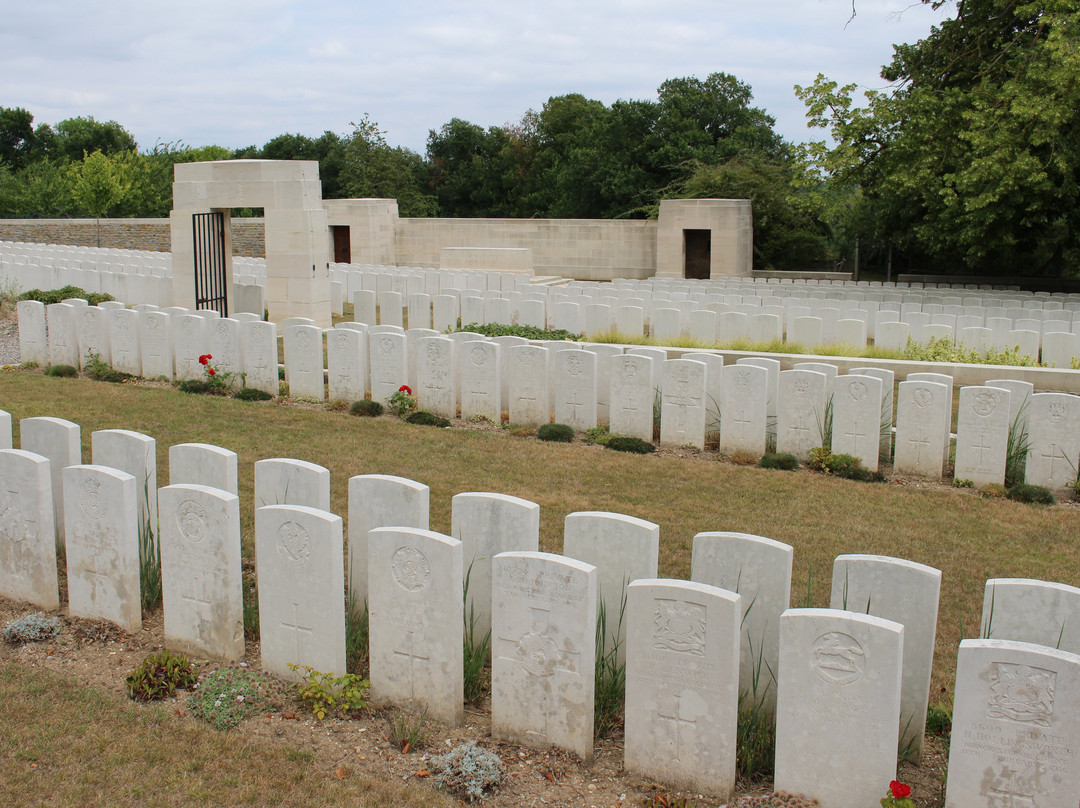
{"points": [[970, 162], [99, 183], [76, 137], [16, 136], [372, 168]]}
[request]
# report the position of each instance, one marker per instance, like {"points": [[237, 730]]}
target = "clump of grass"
{"points": [[782, 461], [743, 458], [613, 337], [252, 394], [225, 697], [468, 771], [842, 465], [1017, 447], [610, 687], [598, 435], [425, 418], [993, 491], [356, 637], [778, 799], [559, 433], [408, 731], [337, 405], [623, 443], [62, 371], [366, 409], [476, 652], [196, 386], [34, 627], [102, 371], [520, 430], [1032, 494], [251, 606], [149, 557], [160, 675]]}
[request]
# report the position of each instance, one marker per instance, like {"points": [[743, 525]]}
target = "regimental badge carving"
{"points": [[13, 523], [432, 352], [191, 520], [923, 397], [983, 404], [478, 356], [386, 346], [303, 339], [801, 388], [294, 542], [341, 343], [1021, 693], [90, 502], [857, 391], [629, 370], [153, 323], [679, 626], [223, 331], [411, 569], [838, 658], [742, 378], [574, 365], [526, 359], [1055, 413]]}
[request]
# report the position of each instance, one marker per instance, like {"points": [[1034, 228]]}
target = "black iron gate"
{"points": [[211, 282]]}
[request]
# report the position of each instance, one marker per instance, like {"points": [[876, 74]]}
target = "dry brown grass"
{"points": [[968, 537], [64, 744]]}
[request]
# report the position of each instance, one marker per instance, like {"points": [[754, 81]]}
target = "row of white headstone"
{"points": [[848, 685], [752, 404]]}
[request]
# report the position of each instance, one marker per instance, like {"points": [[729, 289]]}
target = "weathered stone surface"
{"points": [[27, 532]]}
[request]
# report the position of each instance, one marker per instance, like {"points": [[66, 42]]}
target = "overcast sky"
{"points": [[239, 72]]}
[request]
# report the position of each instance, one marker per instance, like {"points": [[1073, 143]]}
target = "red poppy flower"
{"points": [[899, 790], [211, 372], [405, 389]]}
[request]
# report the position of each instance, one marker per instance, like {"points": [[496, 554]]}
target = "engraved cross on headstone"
{"points": [[194, 598], [1056, 453], [412, 658], [678, 718], [983, 447], [296, 627], [919, 441], [855, 434], [743, 420], [682, 403], [96, 577]]}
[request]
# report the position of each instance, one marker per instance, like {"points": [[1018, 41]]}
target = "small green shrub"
{"points": [[62, 371], [599, 435], [962, 483], [1032, 494], [324, 693], [622, 443], [526, 331], [159, 675], [782, 461], [425, 418], [225, 697], [938, 721], [778, 799], [34, 627], [468, 771], [252, 394], [356, 636], [65, 293], [407, 730], [281, 374], [559, 433], [102, 371], [194, 386], [366, 409], [29, 365]]}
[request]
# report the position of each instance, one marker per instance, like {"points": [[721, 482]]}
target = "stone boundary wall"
{"points": [[248, 234], [583, 249]]}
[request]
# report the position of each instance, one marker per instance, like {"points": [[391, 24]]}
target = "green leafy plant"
{"points": [[993, 491], [664, 799], [525, 331], [217, 381], [62, 371], [622, 443], [34, 627], [558, 433], [66, 293], [252, 394], [324, 693], [962, 483], [251, 606], [598, 435], [159, 675], [149, 555], [402, 402], [225, 697], [1032, 494], [939, 721], [366, 409], [610, 687], [468, 771], [102, 371], [425, 418], [755, 730], [782, 461], [1017, 447], [407, 730], [476, 652], [356, 636]]}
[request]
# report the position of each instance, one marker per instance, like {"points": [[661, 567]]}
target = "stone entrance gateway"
{"points": [[297, 238]]}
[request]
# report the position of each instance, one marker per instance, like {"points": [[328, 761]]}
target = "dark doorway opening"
{"points": [[697, 246], [342, 244], [211, 267]]}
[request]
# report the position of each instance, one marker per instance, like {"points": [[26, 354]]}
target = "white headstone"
{"points": [[801, 413], [260, 349], [60, 442], [284, 481], [379, 500], [102, 535], [436, 380], [304, 361], [63, 334], [1014, 727], [840, 679], [298, 555], [682, 419], [907, 593], [743, 414], [1053, 426], [346, 361], [529, 395], [223, 343], [364, 307], [416, 620], [5, 430], [575, 389], [92, 325], [489, 524], [189, 343], [856, 412], [632, 396], [982, 433], [388, 360], [27, 531], [202, 587], [682, 673], [923, 410], [156, 345], [33, 343], [136, 454], [543, 651], [203, 464], [1027, 610], [758, 569]]}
